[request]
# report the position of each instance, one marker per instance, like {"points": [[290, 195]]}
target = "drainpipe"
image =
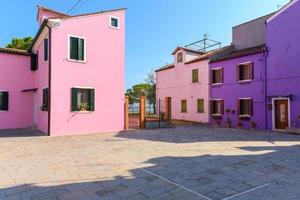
{"points": [[265, 87], [49, 79]]}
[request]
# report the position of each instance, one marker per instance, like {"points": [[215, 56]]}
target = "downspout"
{"points": [[49, 79], [265, 87]]}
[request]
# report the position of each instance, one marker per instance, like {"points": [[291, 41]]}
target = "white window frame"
{"points": [[87, 88], [84, 49], [215, 69], [246, 80], [110, 20], [217, 114], [247, 98], [3, 111], [273, 111]]}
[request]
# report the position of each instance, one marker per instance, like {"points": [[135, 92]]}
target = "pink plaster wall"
{"points": [[103, 71], [15, 76], [177, 83], [41, 82]]}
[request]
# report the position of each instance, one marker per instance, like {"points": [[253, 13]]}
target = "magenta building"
{"points": [[63, 84]]}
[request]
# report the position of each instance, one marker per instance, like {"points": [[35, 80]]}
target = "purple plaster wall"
{"points": [[283, 68], [231, 90]]}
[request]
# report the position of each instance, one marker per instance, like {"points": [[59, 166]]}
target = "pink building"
{"points": [[71, 81], [186, 83]]}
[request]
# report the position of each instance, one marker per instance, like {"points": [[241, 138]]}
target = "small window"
{"points": [[83, 99], [217, 76], [245, 72], [183, 106], [44, 106], [245, 107], [217, 107], [77, 49], [3, 101], [114, 22], [200, 105], [46, 49], [195, 75], [179, 57]]}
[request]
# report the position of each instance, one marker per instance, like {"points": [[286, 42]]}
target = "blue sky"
{"points": [[154, 27]]}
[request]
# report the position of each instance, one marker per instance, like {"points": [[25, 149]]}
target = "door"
{"points": [[281, 114]]}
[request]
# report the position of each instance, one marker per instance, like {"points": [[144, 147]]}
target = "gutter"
{"points": [[49, 78], [265, 87]]}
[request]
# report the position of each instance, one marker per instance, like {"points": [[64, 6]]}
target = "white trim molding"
{"points": [[273, 111], [286, 7], [110, 20], [84, 49]]}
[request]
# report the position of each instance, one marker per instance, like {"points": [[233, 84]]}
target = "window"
{"points": [[183, 106], [44, 106], [3, 101], [217, 76], [46, 49], [195, 75], [245, 107], [114, 22], [217, 107], [76, 48], [245, 72], [200, 105], [83, 99], [179, 57]]}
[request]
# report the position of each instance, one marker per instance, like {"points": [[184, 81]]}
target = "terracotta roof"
{"points": [[51, 11], [169, 66], [205, 56], [15, 51], [186, 49], [237, 53]]}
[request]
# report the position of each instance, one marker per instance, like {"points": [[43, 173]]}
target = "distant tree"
{"points": [[136, 91], [151, 81], [20, 43]]}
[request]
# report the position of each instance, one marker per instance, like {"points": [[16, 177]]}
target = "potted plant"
{"points": [[44, 107], [84, 107], [229, 122], [253, 124], [239, 124]]}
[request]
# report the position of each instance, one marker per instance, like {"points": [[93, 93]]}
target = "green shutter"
{"points": [[200, 106], [195, 75], [73, 48], [183, 106], [5, 101], [46, 49], [80, 49], [92, 100], [74, 99]]}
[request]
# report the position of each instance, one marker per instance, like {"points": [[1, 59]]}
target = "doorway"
{"points": [[281, 118]]}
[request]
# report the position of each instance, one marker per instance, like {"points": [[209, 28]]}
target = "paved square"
{"points": [[183, 163]]}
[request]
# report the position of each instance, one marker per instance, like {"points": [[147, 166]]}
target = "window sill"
{"points": [[245, 116], [83, 112], [245, 81], [216, 84], [217, 115], [112, 27], [77, 61], [3, 111]]}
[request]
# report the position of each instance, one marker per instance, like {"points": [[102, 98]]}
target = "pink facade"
{"points": [[15, 76], [101, 71], [175, 81]]}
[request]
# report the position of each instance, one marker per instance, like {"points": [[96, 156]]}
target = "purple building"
{"points": [[238, 78], [254, 81], [283, 68]]}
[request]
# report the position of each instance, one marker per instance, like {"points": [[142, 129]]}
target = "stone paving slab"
{"points": [[192, 162]]}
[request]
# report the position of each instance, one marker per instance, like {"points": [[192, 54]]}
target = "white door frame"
{"points": [[274, 111]]}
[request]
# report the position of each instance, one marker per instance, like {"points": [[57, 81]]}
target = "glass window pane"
{"points": [[114, 22], [83, 99], [73, 48], [1, 100], [80, 49]]}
